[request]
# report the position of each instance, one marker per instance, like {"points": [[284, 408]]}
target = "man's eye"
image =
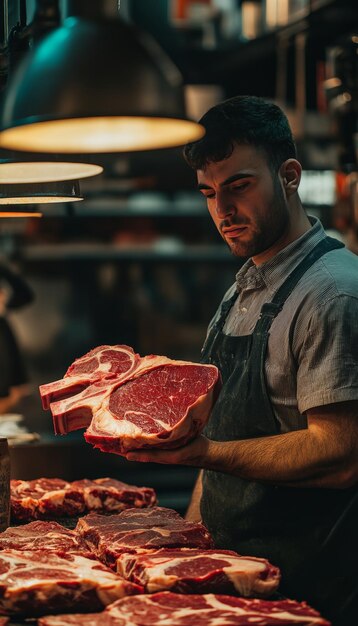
{"points": [[240, 187]]}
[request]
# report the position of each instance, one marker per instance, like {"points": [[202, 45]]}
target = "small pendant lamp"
{"points": [[14, 195]]}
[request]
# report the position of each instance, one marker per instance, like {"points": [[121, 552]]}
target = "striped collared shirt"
{"points": [[312, 355]]}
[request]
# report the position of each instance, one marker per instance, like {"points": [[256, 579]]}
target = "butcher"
{"points": [[279, 455]]}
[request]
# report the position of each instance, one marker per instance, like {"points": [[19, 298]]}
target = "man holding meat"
{"points": [[279, 455]]}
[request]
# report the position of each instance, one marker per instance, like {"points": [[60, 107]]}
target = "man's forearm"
{"points": [[314, 457], [323, 455], [193, 513]]}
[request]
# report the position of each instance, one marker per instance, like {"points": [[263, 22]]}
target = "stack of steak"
{"points": [[116, 560], [46, 567], [126, 401]]}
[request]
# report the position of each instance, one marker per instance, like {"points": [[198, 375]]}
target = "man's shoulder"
{"points": [[331, 283], [336, 273]]}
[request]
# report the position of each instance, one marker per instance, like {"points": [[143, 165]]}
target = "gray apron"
{"points": [[289, 526]]}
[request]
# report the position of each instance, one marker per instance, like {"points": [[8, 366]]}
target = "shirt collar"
{"points": [[273, 272]]}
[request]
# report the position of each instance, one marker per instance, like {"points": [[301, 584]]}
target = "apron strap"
{"points": [[217, 327], [224, 311], [269, 310]]}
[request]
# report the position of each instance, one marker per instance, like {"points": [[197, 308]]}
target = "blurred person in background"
{"points": [[15, 293]]}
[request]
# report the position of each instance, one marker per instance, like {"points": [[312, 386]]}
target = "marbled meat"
{"points": [[200, 571], [52, 498], [39, 582], [136, 531], [171, 609], [39, 535], [44, 498], [108, 495]]}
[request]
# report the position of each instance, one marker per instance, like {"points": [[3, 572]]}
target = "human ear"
{"points": [[290, 173]]}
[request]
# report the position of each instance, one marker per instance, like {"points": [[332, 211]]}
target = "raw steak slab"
{"points": [[142, 402], [49, 498], [44, 498], [170, 609], [200, 571], [102, 362], [164, 407], [37, 582], [139, 530], [49, 536], [108, 495]]}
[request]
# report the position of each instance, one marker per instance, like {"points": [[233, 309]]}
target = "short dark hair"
{"points": [[243, 120]]}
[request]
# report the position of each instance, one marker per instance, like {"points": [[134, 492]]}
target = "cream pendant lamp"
{"points": [[95, 85], [15, 171]]}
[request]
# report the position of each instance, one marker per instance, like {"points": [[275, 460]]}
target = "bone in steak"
{"points": [[171, 609], [49, 536], [200, 571], [156, 402], [37, 582], [46, 498], [139, 530], [101, 362]]}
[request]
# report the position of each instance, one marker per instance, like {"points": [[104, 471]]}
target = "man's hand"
{"points": [[196, 454], [322, 455]]}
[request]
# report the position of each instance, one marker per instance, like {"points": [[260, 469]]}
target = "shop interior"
{"points": [[138, 261]]}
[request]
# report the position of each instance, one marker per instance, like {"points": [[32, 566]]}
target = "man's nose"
{"points": [[224, 205]]}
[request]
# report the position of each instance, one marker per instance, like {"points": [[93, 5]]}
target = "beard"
{"points": [[266, 228]]}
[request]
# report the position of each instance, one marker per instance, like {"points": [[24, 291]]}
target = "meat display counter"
{"points": [[71, 458]]}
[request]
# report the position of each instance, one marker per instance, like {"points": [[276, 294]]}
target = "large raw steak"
{"points": [[142, 402]]}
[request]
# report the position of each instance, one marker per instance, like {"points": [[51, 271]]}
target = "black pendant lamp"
{"points": [[13, 197], [95, 85]]}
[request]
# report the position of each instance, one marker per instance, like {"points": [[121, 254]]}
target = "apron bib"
{"points": [[289, 526]]}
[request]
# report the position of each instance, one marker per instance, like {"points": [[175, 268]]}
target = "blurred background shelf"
{"points": [[162, 251]]}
